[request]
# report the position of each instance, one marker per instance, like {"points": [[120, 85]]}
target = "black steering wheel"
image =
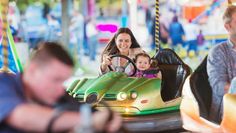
{"points": [[119, 68]]}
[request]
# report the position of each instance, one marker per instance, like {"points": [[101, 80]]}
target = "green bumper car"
{"points": [[136, 96]]}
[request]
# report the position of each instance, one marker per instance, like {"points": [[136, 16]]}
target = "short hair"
{"points": [[52, 50], [142, 55], [230, 10]]}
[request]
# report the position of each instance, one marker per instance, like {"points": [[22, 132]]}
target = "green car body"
{"points": [[137, 96], [127, 95]]}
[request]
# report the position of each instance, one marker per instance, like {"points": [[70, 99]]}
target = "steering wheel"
{"points": [[119, 68]]}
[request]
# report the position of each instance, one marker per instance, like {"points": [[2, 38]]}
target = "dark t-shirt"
{"points": [[11, 95]]}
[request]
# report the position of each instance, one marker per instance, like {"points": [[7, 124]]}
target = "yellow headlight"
{"points": [[121, 96], [126, 110]]}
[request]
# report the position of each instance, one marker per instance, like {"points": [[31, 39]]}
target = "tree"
{"points": [[23, 4]]}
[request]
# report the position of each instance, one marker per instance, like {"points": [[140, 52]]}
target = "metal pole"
{"points": [[65, 22], [4, 4], [157, 25], [133, 15]]}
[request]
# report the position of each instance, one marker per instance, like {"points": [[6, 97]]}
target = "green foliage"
{"points": [[23, 4]]}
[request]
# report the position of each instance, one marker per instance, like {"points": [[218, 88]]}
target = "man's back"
{"points": [[11, 95]]}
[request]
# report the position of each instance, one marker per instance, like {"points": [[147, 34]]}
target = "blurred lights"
{"points": [[192, 2], [130, 1], [107, 27], [183, 2], [13, 3]]}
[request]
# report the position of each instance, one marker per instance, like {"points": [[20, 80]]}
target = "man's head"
{"points": [[227, 16], [49, 67], [229, 19]]}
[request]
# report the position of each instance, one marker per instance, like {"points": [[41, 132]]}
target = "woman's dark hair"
{"points": [[142, 55], [111, 47]]}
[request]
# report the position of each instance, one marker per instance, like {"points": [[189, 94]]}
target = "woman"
{"points": [[123, 43]]}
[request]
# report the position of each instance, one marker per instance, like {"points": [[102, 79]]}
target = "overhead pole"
{"points": [[157, 26], [4, 11], [65, 22], [133, 15]]}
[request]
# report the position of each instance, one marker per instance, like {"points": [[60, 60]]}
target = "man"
{"points": [[176, 32], [27, 99], [221, 65], [191, 31]]}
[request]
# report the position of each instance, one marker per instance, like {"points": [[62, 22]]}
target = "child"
{"points": [[143, 63], [200, 38]]}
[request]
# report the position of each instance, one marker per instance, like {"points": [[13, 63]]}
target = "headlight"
{"points": [[133, 94], [127, 110], [74, 95], [121, 96]]}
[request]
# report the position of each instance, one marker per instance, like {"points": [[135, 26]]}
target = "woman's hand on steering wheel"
{"points": [[122, 68], [106, 61]]}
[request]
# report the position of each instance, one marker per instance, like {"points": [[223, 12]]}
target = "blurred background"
{"points": [[190, 27]]}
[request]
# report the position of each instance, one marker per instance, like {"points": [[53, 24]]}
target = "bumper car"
{"points": [[196, 103], [136, 96]]}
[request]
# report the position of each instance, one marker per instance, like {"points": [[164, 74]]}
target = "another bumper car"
{"points": [[196, 103]]}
